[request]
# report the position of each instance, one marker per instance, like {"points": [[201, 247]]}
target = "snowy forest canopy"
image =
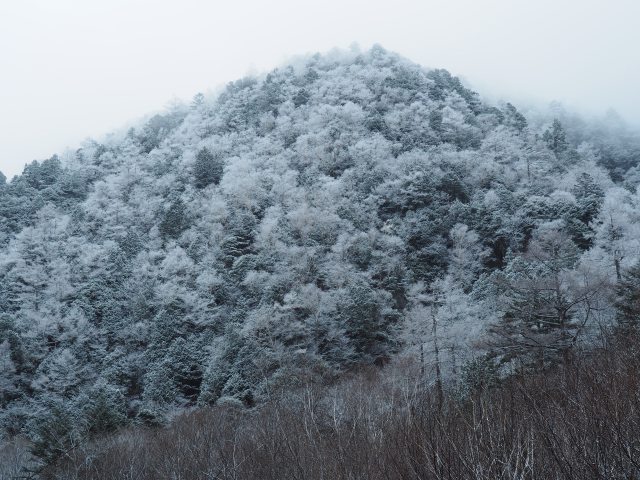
{"points": [[347, 210]]}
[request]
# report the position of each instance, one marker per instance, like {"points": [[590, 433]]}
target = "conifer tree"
{"points": [[175, 220], [628, 299], [556, 138], [207, 169]]}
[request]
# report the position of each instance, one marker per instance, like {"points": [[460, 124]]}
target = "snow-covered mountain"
{"points": [[345, 210]]}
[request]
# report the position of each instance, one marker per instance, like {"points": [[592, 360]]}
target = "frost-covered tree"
{"points": [[545, 305], [617, 233], [555, 137], [628, 299], [514, 118], [467, 255]]}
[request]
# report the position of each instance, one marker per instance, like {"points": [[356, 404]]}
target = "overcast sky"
{"points": [[70, 69]]}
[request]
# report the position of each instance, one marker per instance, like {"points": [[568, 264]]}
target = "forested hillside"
{"points": [[348, 210]]}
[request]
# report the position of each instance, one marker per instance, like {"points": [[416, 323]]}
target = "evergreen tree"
{"points": [[368, 321], [104, 409], [542, 314], [55, 428], [514, 118], [589, 198], [556, 138], [175, 220], [198, 101], [239, 239], [628, 300], [207, 169], [7, 374]]}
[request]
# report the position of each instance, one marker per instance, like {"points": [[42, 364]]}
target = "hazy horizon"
{"points": [[75, 70]]}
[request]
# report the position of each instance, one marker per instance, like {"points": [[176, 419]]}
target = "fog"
{"points": [[76, 68]]}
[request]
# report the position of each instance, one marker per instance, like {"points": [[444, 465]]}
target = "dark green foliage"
{"points": [[239, 239], [175, 373], [368, 321], [556, 138], [105, 409], [514, 118], [236, 372], [271, 93], [40, 183], [542, 316], [429, 262], [435, 121], [9, 334], [589, 197], [478, 375], [157, 129], [54, 431], [174, 221], [454, 187], [207, 169], [443, 82], [311, 75], [301, 98], [187, 362], [360, 253], [628, 300], [375, 123], [74, 187], [42, 175], [131, 244], [104, 298], [410, 80], [170, 324]]}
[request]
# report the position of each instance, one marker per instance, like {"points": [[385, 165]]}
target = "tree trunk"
{"points": [[436, 350]]}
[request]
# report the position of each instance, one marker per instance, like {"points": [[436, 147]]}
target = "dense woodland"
{"points": [[353, 212]]}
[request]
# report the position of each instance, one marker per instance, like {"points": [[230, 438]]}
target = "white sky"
{"points": [[70, 69]]}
